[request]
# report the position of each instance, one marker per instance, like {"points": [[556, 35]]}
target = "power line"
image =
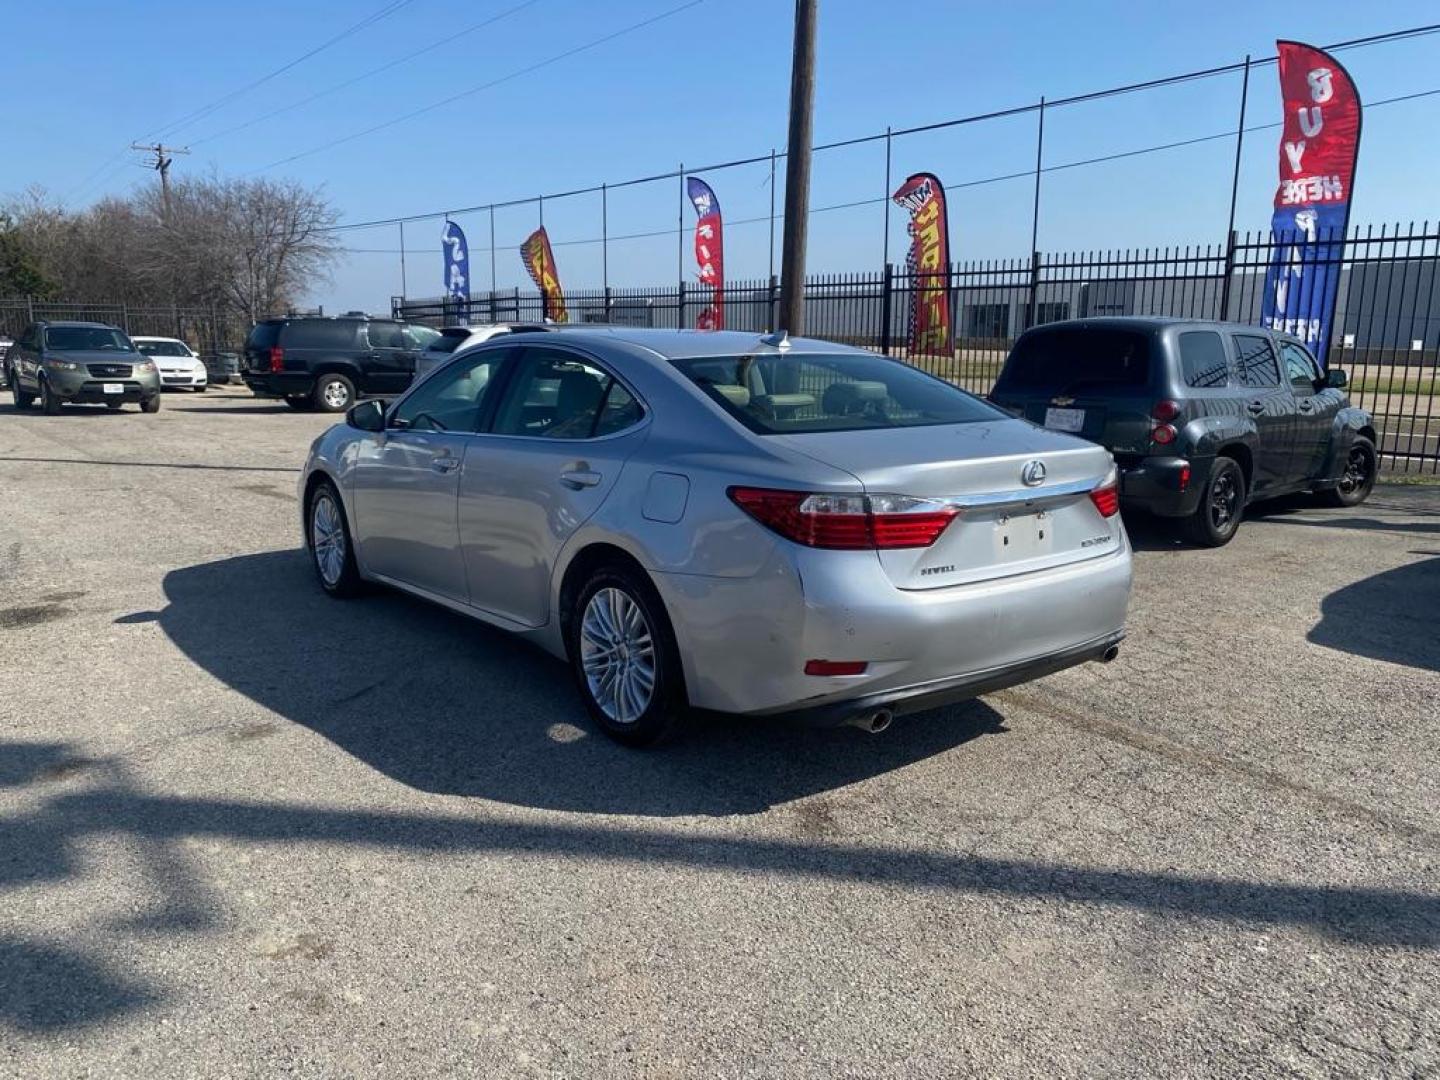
{"points": [[483, 86], [448, 39], [1050, 104]]}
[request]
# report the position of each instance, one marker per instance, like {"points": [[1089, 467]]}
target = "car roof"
{"points": [[78, 324], [1148, 324], [690, 344], [153, 337]]}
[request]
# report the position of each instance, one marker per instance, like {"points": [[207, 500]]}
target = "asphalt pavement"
{"points": [[246, 830]]}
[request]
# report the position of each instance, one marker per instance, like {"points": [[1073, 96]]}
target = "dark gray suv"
{"points": [[80, 363], [1202, 417]]}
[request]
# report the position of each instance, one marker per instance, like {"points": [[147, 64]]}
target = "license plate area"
{"points": [[1021, 536], [1072, 420], [113, 388]]}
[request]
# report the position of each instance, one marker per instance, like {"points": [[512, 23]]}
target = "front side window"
{"points": [[1203, 362], [1255, 358], [1299, 368], [86, 339], [557, 395], [451, 399], [782, 393], [420, 337]]}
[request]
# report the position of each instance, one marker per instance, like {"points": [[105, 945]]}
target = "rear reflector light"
{"points": [[1106, 497], [1164, 434], [277, 359], [1165, 411], [835, 667], [846, 522], [1184, 477]]}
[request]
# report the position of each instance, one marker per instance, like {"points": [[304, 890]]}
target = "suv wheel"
{"points": [[23, 398], [49, 403], [150, 404], [1222, 505], [334, 393], [328, 536], [623, 654], [1358, 480]]}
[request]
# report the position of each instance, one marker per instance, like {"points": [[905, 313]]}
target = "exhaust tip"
{"points": [[874, 723], [1110, 654]]}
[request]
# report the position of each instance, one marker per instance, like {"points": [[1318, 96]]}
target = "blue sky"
{"points": [[705, 85]]}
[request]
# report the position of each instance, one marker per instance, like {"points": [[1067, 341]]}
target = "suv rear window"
{"points": [[264, 335], [1203, 362], [1065, 360], [320, 334], [774, 394]]}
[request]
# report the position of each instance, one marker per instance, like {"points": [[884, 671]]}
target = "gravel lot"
{"points": [[247, 830]]}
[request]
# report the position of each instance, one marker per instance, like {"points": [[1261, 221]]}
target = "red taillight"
{"points": [[277, 359], [1165, 411], [835, 667], [1106, 497], [1184, 477], [1164, 434], [846, 522]]}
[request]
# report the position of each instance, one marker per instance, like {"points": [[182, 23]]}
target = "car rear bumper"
{"points": [[1159, 485], [744, 642], [279, 384]]}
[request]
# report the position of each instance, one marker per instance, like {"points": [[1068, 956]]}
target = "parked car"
{"points": [[1203, 417], [80, 363], [328, 363], [180, 369], [751, 525], [454, 338], [222, 368]]}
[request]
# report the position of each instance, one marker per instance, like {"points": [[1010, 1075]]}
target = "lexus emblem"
{"points": [[1033, 473]]}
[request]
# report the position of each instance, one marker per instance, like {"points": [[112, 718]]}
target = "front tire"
{"points": [[1358, 480], [624, 657], [49, 403], [333, 393], [1222, 505], [23, 398], [327, 535], [201, 389], [151, 404]]}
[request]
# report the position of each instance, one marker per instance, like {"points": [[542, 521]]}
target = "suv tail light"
{"points": [[846, 522], [277, 358], [1106, 497], [1165, 411]]}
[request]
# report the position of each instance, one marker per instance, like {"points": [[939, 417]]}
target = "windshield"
{"points": [[780, 394], [163, 348], [449, 340], [86, 339], [1070, 359]]}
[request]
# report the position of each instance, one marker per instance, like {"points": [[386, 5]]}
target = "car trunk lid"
{"points": [[1014, 517]]}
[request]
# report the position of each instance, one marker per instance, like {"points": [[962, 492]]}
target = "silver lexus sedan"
{"points": [[725, 521]]}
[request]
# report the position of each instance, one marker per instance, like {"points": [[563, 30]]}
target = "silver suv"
{"points": [[80, 363]]}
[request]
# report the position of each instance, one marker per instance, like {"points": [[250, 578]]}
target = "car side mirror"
{"points": [[1336, 379], [367, 416]]}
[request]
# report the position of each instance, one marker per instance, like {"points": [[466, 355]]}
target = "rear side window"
{"points": [[1256, 361], [1202, 359], [1067, 360], [320, 334], [556, 395]]}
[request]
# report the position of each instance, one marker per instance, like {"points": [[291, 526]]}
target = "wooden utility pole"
{"points": [[797, 170], [160, 158]]}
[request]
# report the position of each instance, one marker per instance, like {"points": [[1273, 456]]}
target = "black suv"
{"points": [[1202, 417], [327, 363]]}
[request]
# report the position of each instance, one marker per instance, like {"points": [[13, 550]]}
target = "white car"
{"points": [[180, 369], [454, 338]]}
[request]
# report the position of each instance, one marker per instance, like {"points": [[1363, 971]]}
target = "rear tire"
{"points": [[327, 538], [624, 658], [49, 403], [1222, 505], [333, 393], [1361, 466]]}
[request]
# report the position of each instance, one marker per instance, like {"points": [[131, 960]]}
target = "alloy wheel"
{"points": [[1224, 500], [1357, 471], [617, 652], [335, 395], [327, 539]]}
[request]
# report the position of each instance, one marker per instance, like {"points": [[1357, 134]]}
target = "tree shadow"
{"points": [[444, 704], [1388, 616]]}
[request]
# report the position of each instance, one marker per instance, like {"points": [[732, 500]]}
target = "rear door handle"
{"points": [[1256, 407], [578, 479], [445, 464]]}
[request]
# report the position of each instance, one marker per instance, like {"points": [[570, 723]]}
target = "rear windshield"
{"points": [[264, 335], [86, 339], [162, 348], [779, 394], [1069, 360]]}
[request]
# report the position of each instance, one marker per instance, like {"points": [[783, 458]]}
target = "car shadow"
{"points": [[1388, 616], [444, 704]]}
